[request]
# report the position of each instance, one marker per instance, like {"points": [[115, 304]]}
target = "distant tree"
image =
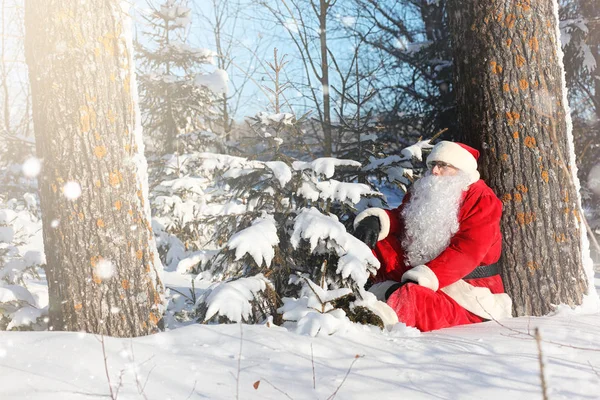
{"points": [[101, 262], [410, 40], [580, 36], [511, 105], [15, 97], [176, 97]]}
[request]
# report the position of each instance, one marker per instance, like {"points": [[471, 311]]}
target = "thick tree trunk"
{"points": [[510, 105], [100, 251]]}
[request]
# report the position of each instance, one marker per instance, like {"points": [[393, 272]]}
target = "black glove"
{"points": [[368, 230]]}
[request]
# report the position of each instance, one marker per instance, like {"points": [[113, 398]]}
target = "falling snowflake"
{"points": [[72, 190], [31, 167], [105, 269]]}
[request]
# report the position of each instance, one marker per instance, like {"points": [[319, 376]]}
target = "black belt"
{"points": [[480, 272], [483, 272]]}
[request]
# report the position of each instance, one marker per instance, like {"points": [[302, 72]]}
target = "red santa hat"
{"points": [[458, 155]]}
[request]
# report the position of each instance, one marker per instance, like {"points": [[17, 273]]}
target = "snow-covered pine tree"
{"points": [[176, 97], [23, 293], [287, 254]]}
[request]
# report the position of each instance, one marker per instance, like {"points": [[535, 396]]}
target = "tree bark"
{"points": [[100, 251], [510, 99], [323, 10]]}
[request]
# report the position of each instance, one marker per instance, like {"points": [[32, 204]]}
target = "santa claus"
{"points": [[439, 248]]}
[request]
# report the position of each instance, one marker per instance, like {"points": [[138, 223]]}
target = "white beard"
{"points": [[431, 216]]}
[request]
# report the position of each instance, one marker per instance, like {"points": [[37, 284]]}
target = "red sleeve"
{"points": [[478, 234]]}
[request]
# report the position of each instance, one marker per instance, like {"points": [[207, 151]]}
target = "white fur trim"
{"points": [[452, 153], [423, 275], [380, 288], [480, 300], [384, 220]]}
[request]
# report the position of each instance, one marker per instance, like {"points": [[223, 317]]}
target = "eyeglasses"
{"points": [[440, 164]]}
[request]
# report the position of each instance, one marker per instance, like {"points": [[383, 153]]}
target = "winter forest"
{"points": [[179, 182]]}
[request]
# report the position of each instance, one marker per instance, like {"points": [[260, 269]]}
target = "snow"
{"points": [[481, 361], [232, 299], [343, 191], [281, 171], [257, 240], [72, 190], [356, 259], [24, 316], [593, 180], [215, 81], [32, 167], [7, 233], [324, 165], [105, 269]]}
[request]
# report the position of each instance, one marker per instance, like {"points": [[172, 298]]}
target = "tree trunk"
{"points": [[323, 9], [510, 98], [100, 251]]}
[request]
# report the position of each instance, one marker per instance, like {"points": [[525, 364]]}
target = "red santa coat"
{"points": [[477, 242]]}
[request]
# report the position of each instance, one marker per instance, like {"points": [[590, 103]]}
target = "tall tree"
{"points": [[511, 103], [175, 98], [306, 23], [411, 41], [100, 251]]}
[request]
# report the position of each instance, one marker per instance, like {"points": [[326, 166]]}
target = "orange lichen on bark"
{"points": [[506, 87], [81, 216], [108, 41], [153, 318], [125, 284], [115, 178], [111, 116], [127, 86], [118, 205], [518, 197], [520, 60], [508, 42], [523, 84], [99, 152], [515, 134], [522, 188], [100, 223], [560, 238], [97, 183], [534, 44], [496, 68], [139, 254], [545, 176], [96, 279], [509, 21], [504, 157], [529, 142], [525, 218], [506, 198], [512, 117], [577, 216], [130, 212], [78, 306], [94, 260], [533, 266]]}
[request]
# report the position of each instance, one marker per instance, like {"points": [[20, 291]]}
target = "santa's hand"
{"points": [[368, 230]]}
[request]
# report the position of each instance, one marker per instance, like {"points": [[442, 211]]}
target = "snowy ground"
{"points": [[484, 361]]}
